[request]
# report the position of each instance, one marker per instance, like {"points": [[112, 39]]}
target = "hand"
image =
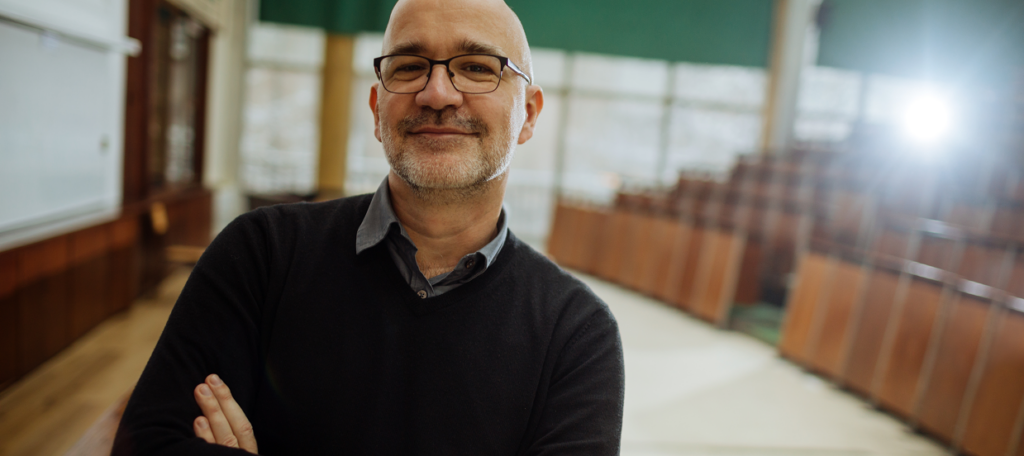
{"points": [[223, 422]]}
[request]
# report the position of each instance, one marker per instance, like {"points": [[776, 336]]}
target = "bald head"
{"points": [[446, 28]]}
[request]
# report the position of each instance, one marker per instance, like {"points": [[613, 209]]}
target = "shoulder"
{"points": [[303, 219], [338, 210], [559, 290]]}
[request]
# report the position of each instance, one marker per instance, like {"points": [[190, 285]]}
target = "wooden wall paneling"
{"points": [[831, 336], [89, 287], [941, 398], [125, 258], [991, 422], [814, 274], [669, 282], [137, 94], [8, 319], [639, 265], [902, 360], [869, 326], [42, 296]]}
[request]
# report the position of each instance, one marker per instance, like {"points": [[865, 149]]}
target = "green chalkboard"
{"points": [[949, 41], [728, 32]]}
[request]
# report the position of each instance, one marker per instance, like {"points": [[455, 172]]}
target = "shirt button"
{"points": [[470, 263], [422, 294]]}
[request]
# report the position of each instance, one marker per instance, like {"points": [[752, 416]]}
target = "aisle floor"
{"points": [[694, 390]]}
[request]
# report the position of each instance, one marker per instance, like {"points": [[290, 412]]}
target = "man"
{"points": [[406, 322]]}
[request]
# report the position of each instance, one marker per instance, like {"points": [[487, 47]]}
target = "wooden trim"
{"points": [[201, 106], [140, 14]]}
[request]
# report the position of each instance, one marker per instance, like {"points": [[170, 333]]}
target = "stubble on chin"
{"points": [[444, 170]]}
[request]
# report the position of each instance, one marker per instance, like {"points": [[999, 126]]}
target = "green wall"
{"points": [[952, 41], [729, 32]]}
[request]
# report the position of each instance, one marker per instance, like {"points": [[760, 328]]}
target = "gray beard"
{"points": [[451, 184]]}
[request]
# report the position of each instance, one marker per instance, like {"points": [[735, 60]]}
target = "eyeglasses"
{"points": [[470, 73]]}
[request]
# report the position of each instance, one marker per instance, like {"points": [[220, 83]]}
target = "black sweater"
{"points": [[329, 352]]}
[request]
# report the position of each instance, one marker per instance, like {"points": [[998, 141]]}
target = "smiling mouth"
{"points": [[438, 132]]}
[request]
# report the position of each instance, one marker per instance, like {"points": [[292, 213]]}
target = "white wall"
{"points": [[61, 115]]}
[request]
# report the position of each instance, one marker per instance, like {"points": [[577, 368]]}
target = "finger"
{"points": [[239, 423], [211, 410], [202, 428]]}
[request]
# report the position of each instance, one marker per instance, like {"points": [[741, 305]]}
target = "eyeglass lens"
{"points": [[469, 73]]}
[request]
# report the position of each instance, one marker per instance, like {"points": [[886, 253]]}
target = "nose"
{"points": [[440, 92]]}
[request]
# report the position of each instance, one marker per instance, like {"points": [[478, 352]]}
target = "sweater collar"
{"points": [[380, 217]]}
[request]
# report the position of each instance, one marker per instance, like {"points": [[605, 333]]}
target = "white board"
{"points": [[61, 122]]}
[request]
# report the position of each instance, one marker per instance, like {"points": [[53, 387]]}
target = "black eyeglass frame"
{"points": [[505, 62]]}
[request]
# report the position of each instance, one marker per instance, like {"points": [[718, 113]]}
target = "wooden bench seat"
{"points": [[814, 275], [992, 424]]}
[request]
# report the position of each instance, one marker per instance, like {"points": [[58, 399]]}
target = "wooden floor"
{"points": [[48, 410]]}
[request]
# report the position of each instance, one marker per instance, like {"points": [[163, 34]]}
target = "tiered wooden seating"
{"points": [[984, 268], [869, 323], [908, 285], [612, 246], [915, 315], [992, 424], [665, 230], [830, 334], [685, 261], [814, 275], [558, 239]]}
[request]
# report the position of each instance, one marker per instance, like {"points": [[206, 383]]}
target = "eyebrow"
{"points": [[465, 46]]}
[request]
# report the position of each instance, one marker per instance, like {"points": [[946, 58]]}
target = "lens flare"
{"points": [[928, 119]]}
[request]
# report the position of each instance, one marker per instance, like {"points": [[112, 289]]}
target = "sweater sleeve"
{"points": [[213, 328], [583, 414]]}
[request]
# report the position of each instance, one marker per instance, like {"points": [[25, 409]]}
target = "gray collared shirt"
{"points": [[382, 225]]}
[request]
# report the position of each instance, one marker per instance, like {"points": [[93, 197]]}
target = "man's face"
{"points": [[440, 138]]}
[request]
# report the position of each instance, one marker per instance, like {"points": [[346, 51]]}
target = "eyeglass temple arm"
{"points": [[515, 68]]}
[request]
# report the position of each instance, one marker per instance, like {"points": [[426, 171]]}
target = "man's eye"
{"points": [[475, 68], [409, 68]]}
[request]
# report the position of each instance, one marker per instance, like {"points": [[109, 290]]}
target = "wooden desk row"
{"points": [[934, 336], [700, 254]]}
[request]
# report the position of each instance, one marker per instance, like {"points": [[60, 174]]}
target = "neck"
{"points": [[447, 224]]}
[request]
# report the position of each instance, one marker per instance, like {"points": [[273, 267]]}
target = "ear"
{"points": [[534, 104], [373, 107]]}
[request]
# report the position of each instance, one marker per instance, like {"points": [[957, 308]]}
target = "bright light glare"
{"points": [[928, 119]]}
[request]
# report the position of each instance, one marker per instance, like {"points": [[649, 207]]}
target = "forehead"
{"points": [[440, 29]]}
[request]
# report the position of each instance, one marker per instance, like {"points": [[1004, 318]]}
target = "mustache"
{"points": [[447, 117]]}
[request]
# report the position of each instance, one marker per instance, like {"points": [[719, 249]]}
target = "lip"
{"points": [[439, 131]]}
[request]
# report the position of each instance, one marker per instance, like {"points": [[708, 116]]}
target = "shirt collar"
{"points": [[380, 216], [378, 220]]}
